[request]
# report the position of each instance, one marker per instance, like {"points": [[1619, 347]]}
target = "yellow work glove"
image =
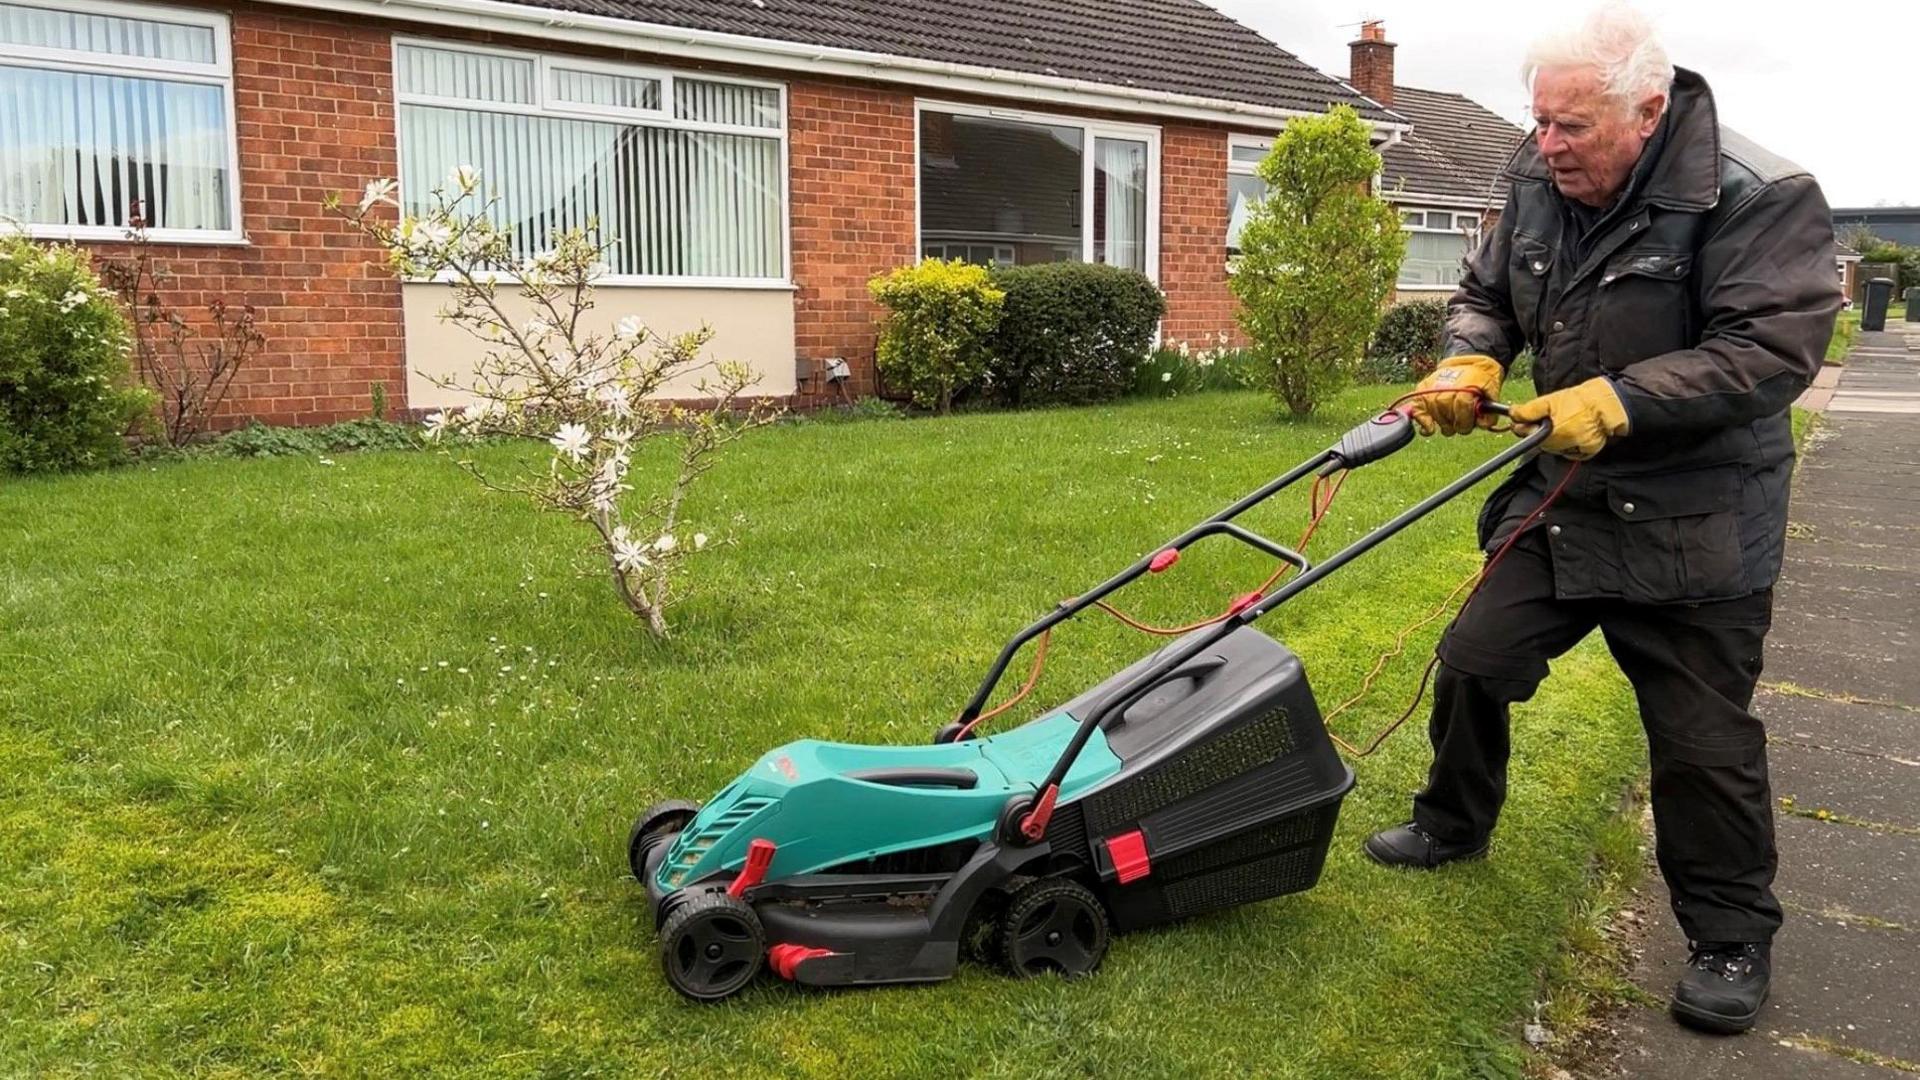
{"points": [[1584, 418], [1455, 414]]}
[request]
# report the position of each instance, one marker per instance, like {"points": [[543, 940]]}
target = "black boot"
{"points": [[1724, 987], [1411, 846]]}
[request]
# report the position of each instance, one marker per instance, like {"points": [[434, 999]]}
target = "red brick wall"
{"points": [[1193, 235], [315, 115], [852, 190]]}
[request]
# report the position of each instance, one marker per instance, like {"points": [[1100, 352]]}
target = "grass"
{"points": [[1847, 328], [327, 770]]}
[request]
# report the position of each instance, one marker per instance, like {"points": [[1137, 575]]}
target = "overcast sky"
{"points": [[1783, 74]]}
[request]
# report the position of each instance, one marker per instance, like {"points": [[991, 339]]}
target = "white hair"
{"points": [[1616, 41]]}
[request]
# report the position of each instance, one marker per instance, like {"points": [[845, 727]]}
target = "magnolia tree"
{"points": [[546, 374]]}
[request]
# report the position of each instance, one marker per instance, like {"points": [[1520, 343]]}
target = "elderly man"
{"points": [[1676, 285]]}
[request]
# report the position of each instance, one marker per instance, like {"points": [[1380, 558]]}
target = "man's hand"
{"points": [[1476, 377], [1584, 418]]}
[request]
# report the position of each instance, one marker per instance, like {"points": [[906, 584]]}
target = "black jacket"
{"points": [[1708, 298]]}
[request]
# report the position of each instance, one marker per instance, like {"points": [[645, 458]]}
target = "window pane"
{"points": [[1015, 185], [83, 149], [601, 88], [726, 103], [1242, 193], [1120, 203], [679, 203], [449, 73], [1466, 221], [1413, 219], [1248, 155], [1433, 258], [112, 35]]}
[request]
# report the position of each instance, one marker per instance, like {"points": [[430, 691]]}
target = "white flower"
{"points": [[628, 328], [614, 399], [464, 177], [537, 327], [572, 440], [428, 234], [699, 541], [436, 424], [666, 543], [620, 436], [377, 191], [628, 555], [73, 299], [1166, 376], [480, 412]]}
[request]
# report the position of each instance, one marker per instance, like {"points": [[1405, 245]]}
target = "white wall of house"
{"points": [[754, 325]]}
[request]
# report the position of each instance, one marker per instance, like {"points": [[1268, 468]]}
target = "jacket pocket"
{"points": [[1677, 535], [1531, 266], [1644, 307]]}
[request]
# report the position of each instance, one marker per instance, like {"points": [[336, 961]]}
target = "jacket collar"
{"points": [[1687, 174]]}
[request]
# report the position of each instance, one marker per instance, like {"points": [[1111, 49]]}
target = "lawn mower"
{"points": [[1198, 778]]}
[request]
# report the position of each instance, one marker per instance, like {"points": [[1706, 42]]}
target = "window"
{"points": [[1005, 188], [1437, 240], [115, 111], [686, 175], [1244, 154]]}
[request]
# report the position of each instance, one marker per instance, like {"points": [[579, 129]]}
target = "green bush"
{"points": [[1071, 333], [1407, 343], [1522, 366], [257, 440], [940, 318], [66, 395]]}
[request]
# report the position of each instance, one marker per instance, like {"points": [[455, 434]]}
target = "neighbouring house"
{"points": [[1444, 175], [1848, 261], [1894, 224], [759, 159]]}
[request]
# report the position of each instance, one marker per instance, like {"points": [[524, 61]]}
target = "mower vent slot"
{"points": [[1289, 871], [692, 846], [1221, 758], [1067, 833], [1296, 831]]}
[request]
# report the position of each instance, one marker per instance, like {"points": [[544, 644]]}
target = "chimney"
{"points": [[1370, 61]]}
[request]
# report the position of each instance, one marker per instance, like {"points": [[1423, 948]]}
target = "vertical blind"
{"points": [[676, 201], [93, 148]]}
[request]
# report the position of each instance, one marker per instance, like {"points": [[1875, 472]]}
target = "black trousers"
{"points": [[1693, 669]]}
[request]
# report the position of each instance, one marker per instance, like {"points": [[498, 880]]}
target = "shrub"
{"points": [[1071, 333], [1412, 333], [256, 440], [189, 368], [1318, 256], [1179, 368], [66, 401], [940, 317], [552, 376]]}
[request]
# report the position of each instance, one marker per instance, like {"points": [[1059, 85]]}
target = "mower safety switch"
{"points": [[759, 857]]}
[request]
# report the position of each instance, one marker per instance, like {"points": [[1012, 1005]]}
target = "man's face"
{"points": [[1589, 141]]}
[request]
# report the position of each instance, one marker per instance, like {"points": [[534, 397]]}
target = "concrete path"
{"points": [[1841, 698]]}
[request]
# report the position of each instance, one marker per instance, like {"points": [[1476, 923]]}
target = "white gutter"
{"points": [[498, 16]]}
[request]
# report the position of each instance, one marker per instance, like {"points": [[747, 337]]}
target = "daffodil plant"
{"points": [[548, 374]]}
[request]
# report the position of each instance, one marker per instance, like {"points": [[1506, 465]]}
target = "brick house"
{"points": [[760, 160]]}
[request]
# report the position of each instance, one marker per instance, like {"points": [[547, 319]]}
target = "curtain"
{"points": [[1120, 223], [115, 36], [1433, 258], [81, 149]]}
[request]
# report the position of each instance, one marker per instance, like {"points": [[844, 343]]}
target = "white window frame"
{"points": [[218, 73], [545, 104], [1235, 139], [1454, 214], [1090, 130]]}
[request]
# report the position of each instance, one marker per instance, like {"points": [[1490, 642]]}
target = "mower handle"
{"points": [[1199, 641]]}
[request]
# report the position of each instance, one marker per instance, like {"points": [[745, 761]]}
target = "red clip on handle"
{"points": [[1162, 559], [1242, 603]]}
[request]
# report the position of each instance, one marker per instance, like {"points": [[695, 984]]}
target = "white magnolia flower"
{"points": [[620, 436], [537, 327], [628, 328], [614, 399], [699, 541], [436, 423], [480, 412], [620, 534], [665, 543], [626, 554], [377, 191], [429, 234], [464, 177], [572, 440]]}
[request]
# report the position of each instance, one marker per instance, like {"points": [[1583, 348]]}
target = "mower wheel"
{"points": [[1053, 924], [661, 822], [712, 946]]}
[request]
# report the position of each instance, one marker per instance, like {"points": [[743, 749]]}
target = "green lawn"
{"points": [[326, 770], [1847, 327]]}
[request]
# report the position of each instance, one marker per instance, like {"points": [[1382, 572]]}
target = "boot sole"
{"points": [[1715, 1023], [1400, 864]]}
